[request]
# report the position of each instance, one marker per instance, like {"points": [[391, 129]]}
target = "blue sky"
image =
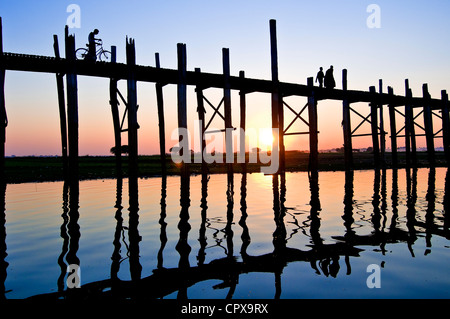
{"points": [[411, 43]]}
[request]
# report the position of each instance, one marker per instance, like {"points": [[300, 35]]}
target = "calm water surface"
{"points": [[239, 236]]}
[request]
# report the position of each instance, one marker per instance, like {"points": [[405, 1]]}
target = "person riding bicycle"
{"points": [[92, 45]]}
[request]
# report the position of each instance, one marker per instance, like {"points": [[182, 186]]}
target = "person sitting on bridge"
{"points": [[92, 45], [329, 79]]}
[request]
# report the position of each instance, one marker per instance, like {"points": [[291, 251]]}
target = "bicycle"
{"points": [[101, 53]]}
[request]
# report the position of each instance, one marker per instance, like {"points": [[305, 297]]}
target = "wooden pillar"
{"points": [[393, 128], [201, 117], [428, 123], [3, 117], [72, 106], [410, 135], [115, 117], [182, 101], [275, 91], [374, 125], [346, 125], [382, 132], [445, 126], [227, 105], [313, 136], [161, 122], [132, 110], [243, 109], [62, 111]]}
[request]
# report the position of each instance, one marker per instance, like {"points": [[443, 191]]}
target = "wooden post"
{"points": [[115, 117], [428, 123], [243, 107], [410, 135], [132, 110], [72, 106], [3, 117], [346, 125], [227, 105], [445, 126], [374, 125], [182, 101], [161, 122], [275, 91], [382, 132], [393, 127], [201, 117], [62, 111], [313, 138]]}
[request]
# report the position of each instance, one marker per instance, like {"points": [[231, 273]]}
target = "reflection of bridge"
{"points": [[70, 68], [323, 258]]}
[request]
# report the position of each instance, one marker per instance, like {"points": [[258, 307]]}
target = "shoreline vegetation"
{"points": [[46, 169]]}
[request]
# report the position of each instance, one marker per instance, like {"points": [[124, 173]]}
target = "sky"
{"points": [[409, 42]]}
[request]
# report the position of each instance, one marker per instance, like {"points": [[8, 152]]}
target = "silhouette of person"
{"points": [[92, 45], [320, 77], [329, 79]]}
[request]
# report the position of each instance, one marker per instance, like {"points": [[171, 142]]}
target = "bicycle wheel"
{"points": [[81, 53], [104, 55]]}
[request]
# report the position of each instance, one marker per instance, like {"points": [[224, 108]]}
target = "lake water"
{"points": [[239, 236]]}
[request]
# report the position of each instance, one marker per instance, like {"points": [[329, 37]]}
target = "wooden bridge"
{"points": [[69, 67]]}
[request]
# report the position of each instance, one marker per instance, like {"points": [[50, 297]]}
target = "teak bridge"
{"points": [[69, 67]]}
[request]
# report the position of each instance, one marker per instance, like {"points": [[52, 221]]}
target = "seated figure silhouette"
{"points": [[320, 77], [329, 79]]}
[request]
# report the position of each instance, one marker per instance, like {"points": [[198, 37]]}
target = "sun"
{"points": [[266, 138]]}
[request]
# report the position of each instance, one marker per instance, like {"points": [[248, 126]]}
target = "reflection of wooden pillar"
{"points": [[132, 110], [227, 105], [182, 102], [3, 118], [445, 126], [115, 117], [161, 122], [374, 125], [393, 128], [313, 138], [428, 123], [62, 111], [346, 125], [201, 117], [72, 106]]}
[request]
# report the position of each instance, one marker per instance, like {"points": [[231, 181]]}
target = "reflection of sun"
{"points": [[265, 138]]}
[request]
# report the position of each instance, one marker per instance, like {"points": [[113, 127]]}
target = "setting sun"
{"points": [[265, 138]]}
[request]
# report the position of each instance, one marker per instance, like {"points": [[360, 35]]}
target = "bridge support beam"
{"points": [[132, 110], [393, 128], [410, 135], [445, 126], [243, 108], [227, 105], [182, 104], [3, 118], [346, 125], [313, 133], [113, 101], [201, 117], [161, 122], [374, 126], [276, 106], [428, 123], [72, 106]]}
